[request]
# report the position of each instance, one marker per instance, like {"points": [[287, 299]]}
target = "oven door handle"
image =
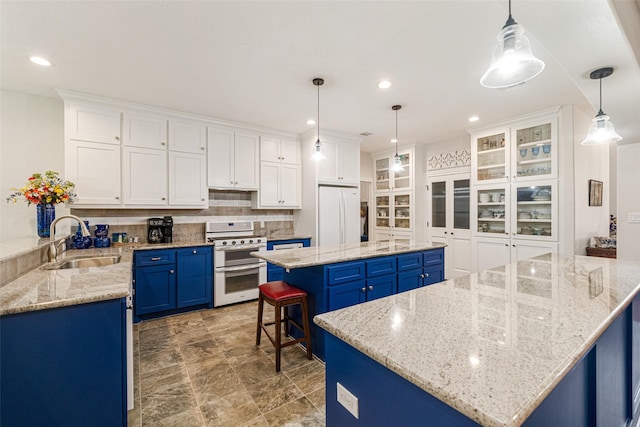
{"points": [[244, 267], [239, 248]]}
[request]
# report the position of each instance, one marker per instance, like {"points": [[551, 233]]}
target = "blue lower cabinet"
{"points": [[408, 280], [172, 281], [64, 366], [432, 275], [347, 294], [195, 277], [382, 286], [275, 272], [155, 289]]}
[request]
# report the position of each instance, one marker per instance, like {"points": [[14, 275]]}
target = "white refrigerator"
{"points": [[338, 215]]}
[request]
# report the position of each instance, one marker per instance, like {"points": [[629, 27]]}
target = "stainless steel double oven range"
{"points": [[236, 273]]}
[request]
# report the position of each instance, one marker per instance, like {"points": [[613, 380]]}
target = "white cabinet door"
{"points": [[523, 249], [329, 168], [290, 151], [491, 252], [349, 172], [144, 131], [95, 169], [270, 149], [270, 184], [290, 186], [96, 124], [188, 137], [220, 144], [246, 158], [144, 176], [187, 186]]}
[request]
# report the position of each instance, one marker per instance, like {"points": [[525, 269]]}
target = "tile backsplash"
{"points": [[189, 223]]}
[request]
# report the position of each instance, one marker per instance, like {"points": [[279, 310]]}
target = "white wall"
{"points": [[613, 179], [31, 140], [459, 142], [590, 162], [366, 165], [629, 201]]}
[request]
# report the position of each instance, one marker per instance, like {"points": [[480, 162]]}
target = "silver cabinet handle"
{"points": [[370, 287], [156, 258], [171, 271], [364, 289]]}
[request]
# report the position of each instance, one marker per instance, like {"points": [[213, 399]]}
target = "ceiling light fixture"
{"points": [[474, 118], [397, 161], [512, 62], [601, 130], [317, 149], [40, 61], [311, 122], [384, 84]]}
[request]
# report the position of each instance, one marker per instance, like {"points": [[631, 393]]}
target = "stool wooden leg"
{"points": [[286, 320], [278, 326], [260, 308], [305, 325]]}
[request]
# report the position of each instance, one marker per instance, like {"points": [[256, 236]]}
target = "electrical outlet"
{"points": [[348, 400], [634, 217]]}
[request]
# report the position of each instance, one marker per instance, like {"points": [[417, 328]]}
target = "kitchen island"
{"points": [[339, 276], [550, 341]]}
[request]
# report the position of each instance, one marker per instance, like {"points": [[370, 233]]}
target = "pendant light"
{"points": [[317, 150], [512, 62], [397, 161], [601, 130]]}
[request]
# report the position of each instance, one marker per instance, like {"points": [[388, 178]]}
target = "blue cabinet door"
{"points": [[155, 289], [347, 294], [195, 276], [381, 286], [433, 275], [408, 280], [64, 366]]}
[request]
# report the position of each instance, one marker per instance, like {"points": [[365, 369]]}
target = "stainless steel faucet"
{"points": [[53, 249]]}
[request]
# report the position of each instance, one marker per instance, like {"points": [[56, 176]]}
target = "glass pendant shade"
{"points": [[317, 152], [601, 131], [512, 62], [397, 164]]}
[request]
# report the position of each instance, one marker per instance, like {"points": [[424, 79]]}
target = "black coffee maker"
{"points": [[160, 230]]}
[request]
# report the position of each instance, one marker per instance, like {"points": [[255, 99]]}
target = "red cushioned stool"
{"points": [[280, 294]]}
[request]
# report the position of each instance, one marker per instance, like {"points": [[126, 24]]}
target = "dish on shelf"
{"points": [[541, 198]]}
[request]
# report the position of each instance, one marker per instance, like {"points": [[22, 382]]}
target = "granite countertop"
{"points": [[493, 344], [42, 289], [319, 255]]}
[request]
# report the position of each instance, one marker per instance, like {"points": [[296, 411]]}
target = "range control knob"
{"points": [[250, 240], [224, 243], [259, 240], [233, 242], [242, 242]]}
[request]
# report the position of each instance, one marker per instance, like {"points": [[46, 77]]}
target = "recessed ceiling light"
{"points": [[384, 84], [40, 61], [474, 118], [311, 122], [393, 140]]}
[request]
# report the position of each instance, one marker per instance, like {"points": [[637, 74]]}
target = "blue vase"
{"points": [[45, 214]]}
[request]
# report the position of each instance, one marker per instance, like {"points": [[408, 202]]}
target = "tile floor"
{"points": [[204, 369]]}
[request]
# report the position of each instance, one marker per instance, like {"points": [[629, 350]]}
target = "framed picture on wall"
{"points": [[595, 193]]}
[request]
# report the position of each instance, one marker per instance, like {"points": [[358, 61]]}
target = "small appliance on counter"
{"points": [[160, 230]]}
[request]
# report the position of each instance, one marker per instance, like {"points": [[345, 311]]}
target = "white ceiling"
{"points": [[253, 62]]}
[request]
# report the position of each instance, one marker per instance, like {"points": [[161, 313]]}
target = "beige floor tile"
{"points": [[200, 350], [319, 400], [164, 378], [159, 359], [192, 417], [273, 393], [214, 380], [259, 421], [134, 417], [256, 371], [300, 412], [167, 402], [240, 355], [309, 377], [230, 410]]}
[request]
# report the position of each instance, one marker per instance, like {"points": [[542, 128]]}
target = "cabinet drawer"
{"points": [[347, 294], [433, 257], [433, 275], [146, 258], [410, 261], [381, 266], [346, 272]]}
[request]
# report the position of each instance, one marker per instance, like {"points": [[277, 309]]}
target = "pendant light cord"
{"points": [[600, 112], [318, 121], [396, 133]]}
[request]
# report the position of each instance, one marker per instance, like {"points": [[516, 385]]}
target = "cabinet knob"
{"points": [[156, 258], [164, 198], [506, 233], [452, 233], [202, 200], [364, 289], [513, 246], [236, 182], [446, 232], [506, 244], [426, 275], [514, 233], [230, 182], [195, 252], [422, 276], [117, 198], [117, 138], [162, 143], [170, 271], [370, 287], [202, 148]]}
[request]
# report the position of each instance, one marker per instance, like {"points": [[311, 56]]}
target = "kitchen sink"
{"points": [[98, 261]]}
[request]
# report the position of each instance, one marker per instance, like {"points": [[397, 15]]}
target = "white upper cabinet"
{"points": [[276, 149], [187, 178], [95, 169], [232, 159], [144, 176], [145, 131], [95, 124], [342, 166], [187, 137]]}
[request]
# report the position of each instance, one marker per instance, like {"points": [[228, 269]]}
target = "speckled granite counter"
{"points": [[45, 289], [494, 344], [320, 255]]}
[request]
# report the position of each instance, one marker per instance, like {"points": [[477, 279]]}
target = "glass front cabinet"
{"points": [[523, 211], [524, 151], [393, 194], [393, 210]]}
